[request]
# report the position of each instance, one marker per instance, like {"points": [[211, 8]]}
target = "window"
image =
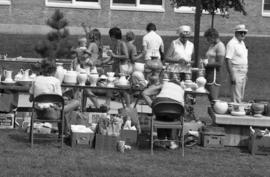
{"points": [[138, 5], [5, 2], [89, 4], [266, 8]]}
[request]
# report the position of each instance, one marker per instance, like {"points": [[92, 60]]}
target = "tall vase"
{"points": [[60, 72]]}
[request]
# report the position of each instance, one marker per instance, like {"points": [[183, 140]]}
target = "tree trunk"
{"points": [[197, 32], [212, 21]]}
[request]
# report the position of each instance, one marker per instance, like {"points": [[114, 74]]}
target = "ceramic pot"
{"points": [[139, 67], [82, 77], [18, 76], [70, 77], [201, 81], [154, 64], [8, 76], [25, 75], [93, 78], [60, 72], [220, 107], [123, 80], [257, 108]]}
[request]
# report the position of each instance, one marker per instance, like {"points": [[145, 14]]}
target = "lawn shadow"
{"points": [[20, 136]]}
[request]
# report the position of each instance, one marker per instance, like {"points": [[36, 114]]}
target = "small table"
{"points": [[129, 90], [237, 127]]}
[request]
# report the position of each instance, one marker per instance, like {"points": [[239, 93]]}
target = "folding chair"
{"points": [[56, 116], [166, 107]]}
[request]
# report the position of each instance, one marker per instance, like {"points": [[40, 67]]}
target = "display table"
{"points": [[237, 127]]}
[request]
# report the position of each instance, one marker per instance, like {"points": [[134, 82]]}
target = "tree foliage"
{"points": [[57, 44], [213, 5]]}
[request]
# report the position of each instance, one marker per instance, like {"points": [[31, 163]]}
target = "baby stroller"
{"points": [[167, 114]]}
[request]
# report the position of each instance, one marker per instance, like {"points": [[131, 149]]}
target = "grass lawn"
{"points": [[18, 159]]}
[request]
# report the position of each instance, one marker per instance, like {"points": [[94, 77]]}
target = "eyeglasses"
{"points": [[242, 32]]}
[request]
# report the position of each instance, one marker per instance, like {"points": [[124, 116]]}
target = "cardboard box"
{"points": [[106, 143], [213, 137], [93, 117], [79, 139], [129, 136], [7, 120], [259, 145]]}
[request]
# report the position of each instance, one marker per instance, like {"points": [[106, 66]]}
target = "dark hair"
{"points": [[151, 27], [130, 36], [211, 32], [115, 32], [48, 67]]}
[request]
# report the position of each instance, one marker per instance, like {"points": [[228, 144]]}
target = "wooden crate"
{"points": [[7, 120]]}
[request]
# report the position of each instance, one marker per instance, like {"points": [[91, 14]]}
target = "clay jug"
{"points": [[60, 72]]}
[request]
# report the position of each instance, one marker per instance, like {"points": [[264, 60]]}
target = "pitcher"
{"points": [[25, 74], [8, 76]]}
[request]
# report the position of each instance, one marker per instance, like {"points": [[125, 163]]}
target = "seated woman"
{"points": [[46, 83], [169, 91]]}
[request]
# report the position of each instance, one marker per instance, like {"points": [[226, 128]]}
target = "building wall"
{"points": [[23, 16]]}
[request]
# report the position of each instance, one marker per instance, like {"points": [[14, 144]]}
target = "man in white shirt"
{"points": [[180, 54], [237, 62], [152, 43]]}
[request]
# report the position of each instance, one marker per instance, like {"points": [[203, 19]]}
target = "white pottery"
{"points": [[139, 67], [123, 80], [201, 81], [60, 72], [70, 77], [220, 107], [8, 76], [82, 78], [18, 76], [110, 74], [93, 78], [25, 75]]}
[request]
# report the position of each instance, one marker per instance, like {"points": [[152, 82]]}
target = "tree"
{"points": [[211, 6], [57, 44]]}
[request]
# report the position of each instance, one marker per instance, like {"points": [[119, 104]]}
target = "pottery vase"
{"points": [[93, 78], [154, 64], [82, 78], [60, 72], [70, 77]]}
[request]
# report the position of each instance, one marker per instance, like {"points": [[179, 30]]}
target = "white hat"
{"points": [[240, 27], [183, 28]]}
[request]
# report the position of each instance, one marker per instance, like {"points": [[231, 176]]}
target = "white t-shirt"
{"points": [[45, 85], [237, 52], [153, 42]]}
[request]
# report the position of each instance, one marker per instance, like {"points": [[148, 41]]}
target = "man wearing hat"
{"points": [[180, 54], [237, 62]]}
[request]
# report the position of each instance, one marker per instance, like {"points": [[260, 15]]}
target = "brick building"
{"points": [[28, 16]]}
